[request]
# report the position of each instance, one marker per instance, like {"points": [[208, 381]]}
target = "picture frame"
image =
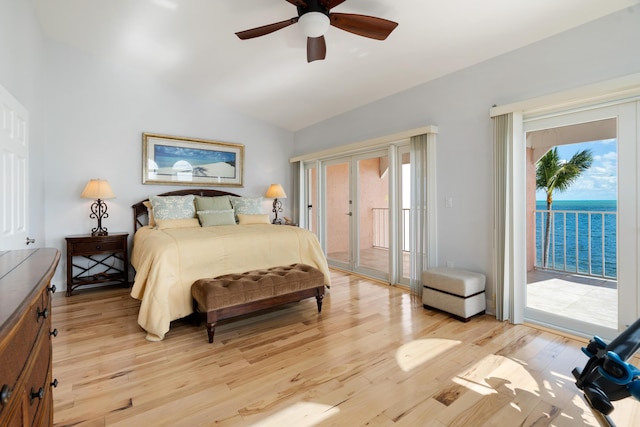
{"points": [[176, 160]]}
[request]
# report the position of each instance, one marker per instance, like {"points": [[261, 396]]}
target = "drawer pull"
{"points": [[98, 247], [54, 384], [44, 313], [36, 395], [5, 394], [52, 289], [53, 333]]}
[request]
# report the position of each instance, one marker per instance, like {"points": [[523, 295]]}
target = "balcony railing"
{"points": [[582, 242], [381, 228]]}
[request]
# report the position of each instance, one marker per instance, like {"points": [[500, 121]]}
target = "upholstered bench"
{"points": [[455, 291], [236, 294]]}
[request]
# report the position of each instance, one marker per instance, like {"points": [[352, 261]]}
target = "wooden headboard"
{"points": [[140, 210]]}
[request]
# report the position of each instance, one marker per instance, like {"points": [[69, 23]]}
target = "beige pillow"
{"points": [[147, 204], [163, 224], [244, 219]]}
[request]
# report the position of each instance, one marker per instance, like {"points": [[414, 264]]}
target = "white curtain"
{"points": [[509, 193], [419, 214]]}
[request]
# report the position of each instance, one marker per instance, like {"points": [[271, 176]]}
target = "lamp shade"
{"points": [[314, 24], [97, 189], [275, 191]]}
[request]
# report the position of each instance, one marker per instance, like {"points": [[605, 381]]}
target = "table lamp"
{"points": [[276, 192], [99, 190]]}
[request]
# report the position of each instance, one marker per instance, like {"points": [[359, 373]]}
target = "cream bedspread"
{"points": [[167, 262]]}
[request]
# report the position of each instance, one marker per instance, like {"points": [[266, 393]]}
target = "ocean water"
{"points": [[584, 236]]}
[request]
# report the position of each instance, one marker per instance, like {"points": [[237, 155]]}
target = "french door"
{"points": [[355, 213], [591, 307]]}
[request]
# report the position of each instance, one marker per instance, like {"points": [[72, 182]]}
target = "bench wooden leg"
{"points": [[319, 298], [211, 329], [211, 318]]}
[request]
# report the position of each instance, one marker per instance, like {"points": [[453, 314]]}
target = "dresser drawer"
{"points": [[90, 248], [16, 351], [37, 385]]}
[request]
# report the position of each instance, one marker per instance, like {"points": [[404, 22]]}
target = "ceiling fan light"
{"points": [[314, 24]]}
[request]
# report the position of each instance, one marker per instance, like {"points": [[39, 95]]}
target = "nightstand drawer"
{"points": [[90, 248]]}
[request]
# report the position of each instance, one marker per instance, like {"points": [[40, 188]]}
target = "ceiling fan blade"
{"points": [[330, 4], [298, 3], [316, 48], [363, 25], [265, 29]]}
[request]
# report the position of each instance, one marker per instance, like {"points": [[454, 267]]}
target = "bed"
{"points": [[168, 260]]}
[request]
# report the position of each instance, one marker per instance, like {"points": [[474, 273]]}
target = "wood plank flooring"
{"points": [[373, 357]]}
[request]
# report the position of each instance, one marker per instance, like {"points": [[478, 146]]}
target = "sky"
{"points": [[600, 181]]}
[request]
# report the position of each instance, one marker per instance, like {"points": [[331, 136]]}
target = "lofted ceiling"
{"points": [[191, 44]]}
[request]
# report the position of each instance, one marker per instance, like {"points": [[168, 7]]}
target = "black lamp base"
{"points": [[99, 211]]}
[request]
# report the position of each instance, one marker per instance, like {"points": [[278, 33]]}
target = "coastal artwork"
{"points": [[188, 161]]}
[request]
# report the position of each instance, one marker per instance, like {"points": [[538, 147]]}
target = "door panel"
{"points": [[372, 203], [14, 155], [338, 214]]}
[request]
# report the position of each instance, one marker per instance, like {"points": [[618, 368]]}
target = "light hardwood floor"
{"points": [[373, 357]]}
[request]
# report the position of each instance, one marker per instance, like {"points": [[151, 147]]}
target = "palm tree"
{"points": [[553, 173]]}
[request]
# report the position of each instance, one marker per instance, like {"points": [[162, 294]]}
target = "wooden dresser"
{"points": [[25, 337]]}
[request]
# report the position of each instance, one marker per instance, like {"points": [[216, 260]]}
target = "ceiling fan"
{"points": [[314, 17]]}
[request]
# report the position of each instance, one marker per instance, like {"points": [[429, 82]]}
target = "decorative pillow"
{"points": [[173, 207], [163, 224], [248, 205], [216, 217], [147, 204], [253, 219], [217, 203]]}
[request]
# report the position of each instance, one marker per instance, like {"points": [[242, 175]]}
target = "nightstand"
{"points": [[108, 253]]}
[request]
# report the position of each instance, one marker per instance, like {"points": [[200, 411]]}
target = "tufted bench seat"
{"points": [[236, 294], [455, 291]]}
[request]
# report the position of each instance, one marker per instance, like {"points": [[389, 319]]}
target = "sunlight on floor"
{"points": [[301, 414], [411, 355]]}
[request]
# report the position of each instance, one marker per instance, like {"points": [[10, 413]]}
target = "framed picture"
{"points": [[189, 161]]}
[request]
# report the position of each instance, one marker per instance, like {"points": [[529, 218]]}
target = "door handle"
{"points": [[30, 240], [350, 214]]}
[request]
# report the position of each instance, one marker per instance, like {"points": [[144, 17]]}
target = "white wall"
{"points": [[459, 105], [96, 113]]}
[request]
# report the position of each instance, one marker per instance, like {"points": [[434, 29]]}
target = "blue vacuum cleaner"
{"points": [[607, 377]]}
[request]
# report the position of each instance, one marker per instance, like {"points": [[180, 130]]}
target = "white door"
{"points": [[626, 297], [14, 156]]}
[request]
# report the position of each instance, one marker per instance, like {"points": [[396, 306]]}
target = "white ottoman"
{"points": [[457, 292]]}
